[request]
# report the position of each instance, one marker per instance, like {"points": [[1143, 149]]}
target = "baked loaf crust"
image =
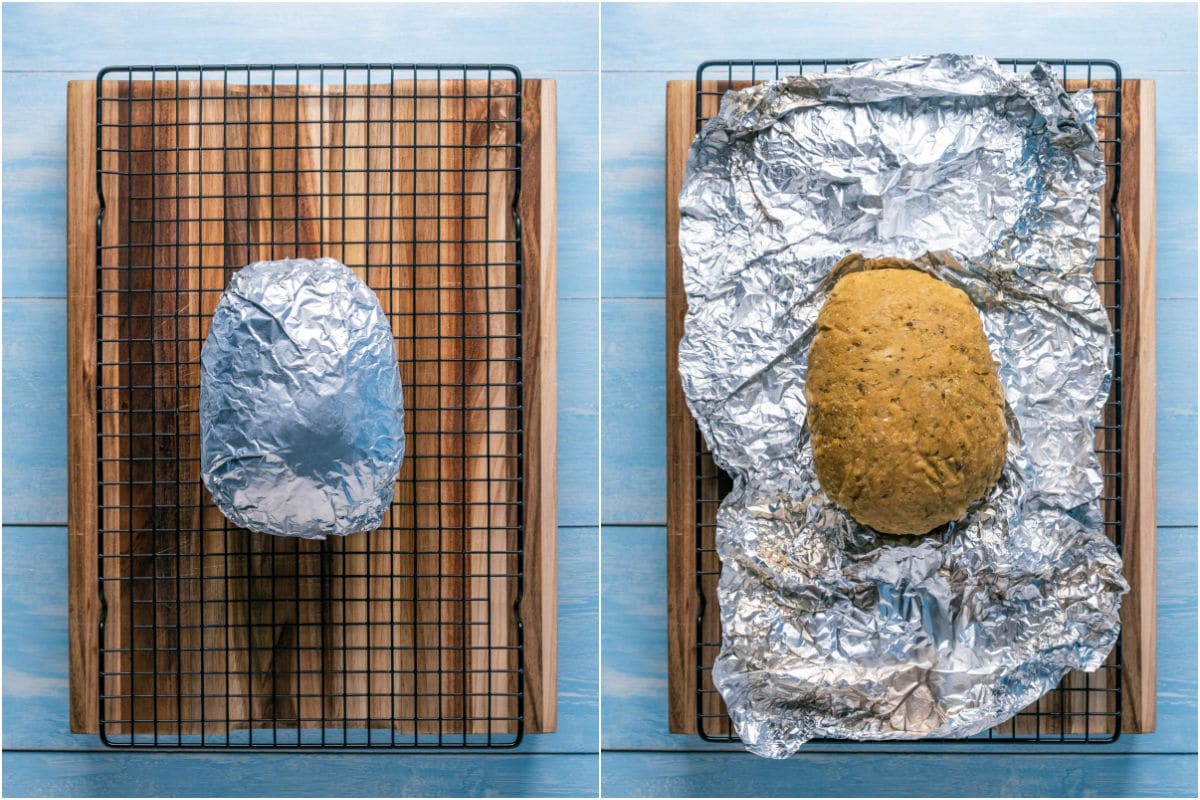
{"points": [[904, 405]]}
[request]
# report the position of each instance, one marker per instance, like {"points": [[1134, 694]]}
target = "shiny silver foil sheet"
{"points": [[301, 409], [990, 180]]}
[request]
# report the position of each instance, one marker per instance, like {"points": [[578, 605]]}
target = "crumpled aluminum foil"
{"points": [[991, 181], [301, 409]]}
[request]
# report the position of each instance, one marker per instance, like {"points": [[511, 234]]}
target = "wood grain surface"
{"points": [[209, 629], [1139, 436], [1127, 457], [84, 606], [540, 376]]}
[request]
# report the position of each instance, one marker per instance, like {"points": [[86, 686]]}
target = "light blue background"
{"points": [[643, 47], [47, 45]]}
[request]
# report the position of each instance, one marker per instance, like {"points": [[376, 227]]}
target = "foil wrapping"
{"points": [[301, 408], [990, 180]]}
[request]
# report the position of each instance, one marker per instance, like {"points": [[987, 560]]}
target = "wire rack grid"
{"points": [[407, 636], [1084, 708]]}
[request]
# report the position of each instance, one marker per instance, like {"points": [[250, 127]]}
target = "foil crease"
{"points": [[301, 408], [990, 180]]}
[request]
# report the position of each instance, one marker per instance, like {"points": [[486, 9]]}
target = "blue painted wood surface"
{"points": [[310, 774], [644, 46], [633, 774], [81, 36], [47, 45], [678, 36]]}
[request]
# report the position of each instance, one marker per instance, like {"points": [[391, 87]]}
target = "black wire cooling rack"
{"points": [[1084, 708], [408, 636]]}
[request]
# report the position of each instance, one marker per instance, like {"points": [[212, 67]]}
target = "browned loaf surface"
{"points": [[904, 405]]}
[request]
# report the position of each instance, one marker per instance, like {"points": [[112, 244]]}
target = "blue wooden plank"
{"points": [[633, 167], [578, 184], [578, 412], [34, 247], [35, 644], [38, 774], [559, 36], [633, 431], [627, 774], [578, 646], [35, 410], [35, 195], [35, 475], [1175, 144], [634, 181], [35, 640], [659, 36], [634, 643], [633, 605], [1175, 350], [633, 416]]}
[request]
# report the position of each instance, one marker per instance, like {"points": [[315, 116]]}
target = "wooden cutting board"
{"points": [[1127, 459], [207, 628]]}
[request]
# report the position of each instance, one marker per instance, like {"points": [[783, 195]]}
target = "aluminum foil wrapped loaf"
{"points": [[301, 409], [990, 181]]}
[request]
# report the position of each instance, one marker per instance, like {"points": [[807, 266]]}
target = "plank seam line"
{"points": [[975, 751], [307, 751]]}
